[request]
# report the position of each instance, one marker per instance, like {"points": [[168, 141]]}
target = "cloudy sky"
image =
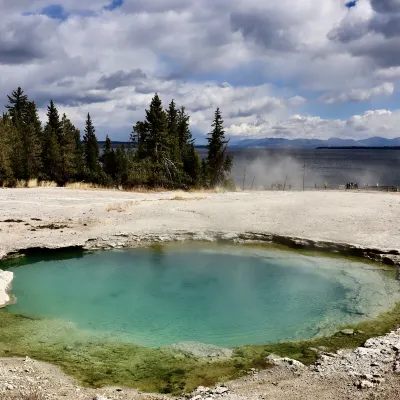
{"points": [[276, 68]]}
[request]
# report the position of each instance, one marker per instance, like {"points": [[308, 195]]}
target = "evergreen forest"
{"points": [[161, 152]]}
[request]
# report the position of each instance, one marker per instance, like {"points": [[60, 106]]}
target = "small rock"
{"points": [[229, 236], [367, 376], [375, 364], [203, 389], [9, 386], [284, 361], [220, 390], [364, 384], [347, 332], [198, 397], [98, 397], [396, 346]]}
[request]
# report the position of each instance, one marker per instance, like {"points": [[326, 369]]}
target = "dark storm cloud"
{"points": [[386, 6], [266, 30], [18, 54], [42, 98], [376, 37], [386, 24], [385, 21], [155, 6], [121, 79], [20, 44], [385, 54]]}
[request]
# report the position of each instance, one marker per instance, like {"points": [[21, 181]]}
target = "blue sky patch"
{"points": [[55, 11], [114, 4], [351, 4]]}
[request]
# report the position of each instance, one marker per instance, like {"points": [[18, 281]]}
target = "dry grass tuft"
{"points": [[179, 198], [24, 396], [122, 207], [83, 186], [32, 183], [47, 184]]}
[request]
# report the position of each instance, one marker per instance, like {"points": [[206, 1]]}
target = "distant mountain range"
{"points": [[279, 143]]}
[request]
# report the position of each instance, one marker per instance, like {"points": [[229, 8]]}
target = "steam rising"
{"points": [[263, 168]]}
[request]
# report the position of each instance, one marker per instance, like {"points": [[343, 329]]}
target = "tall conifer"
{"points": [[218, 160], [52, 134], [91, 148]]}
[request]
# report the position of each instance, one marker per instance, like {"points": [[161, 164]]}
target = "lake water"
{"points": [[336, 167], [221, 295]]}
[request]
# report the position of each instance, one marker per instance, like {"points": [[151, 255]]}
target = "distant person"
{"points": [[326, 186]]}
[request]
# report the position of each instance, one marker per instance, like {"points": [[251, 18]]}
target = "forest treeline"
{"points": [[161, 152]]}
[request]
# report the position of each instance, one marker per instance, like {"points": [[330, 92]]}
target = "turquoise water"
{"points": [[221, 295]]}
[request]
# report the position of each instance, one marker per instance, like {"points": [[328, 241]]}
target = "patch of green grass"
{"points": [[98, 363], [300, 351]]}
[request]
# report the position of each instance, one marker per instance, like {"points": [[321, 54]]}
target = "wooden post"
{"points": [[252, 183], [284, 184], [244, 176]]}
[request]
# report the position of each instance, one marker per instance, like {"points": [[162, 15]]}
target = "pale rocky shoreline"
{"points": [[6, 278], [362, 224]]}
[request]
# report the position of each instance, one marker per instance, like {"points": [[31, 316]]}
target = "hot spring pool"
{"points": [[214, 294]]}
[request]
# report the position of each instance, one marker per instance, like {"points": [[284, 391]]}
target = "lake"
{"points": [[333, 166]]}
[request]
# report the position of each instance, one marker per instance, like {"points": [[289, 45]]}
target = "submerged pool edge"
{"points": [[91, 365], [389, 257]]}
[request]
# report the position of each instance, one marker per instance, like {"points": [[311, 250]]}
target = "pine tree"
{"points": [[173, 138], [151, 140], [26, 136], [218, 160], [91, 149], [156, 121], [18, 106], [192, 165], [68, 168], [6, 170], [139, 139], [184, 134], [52, 136], [121, 165], [188, 153], [108, 158], [79, 157], [32, 143]]}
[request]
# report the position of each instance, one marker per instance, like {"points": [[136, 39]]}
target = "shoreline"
{"points": [[110, 220], [6, 278]]}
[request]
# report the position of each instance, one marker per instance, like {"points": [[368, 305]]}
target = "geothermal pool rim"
{"points": [[126, 241]]}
